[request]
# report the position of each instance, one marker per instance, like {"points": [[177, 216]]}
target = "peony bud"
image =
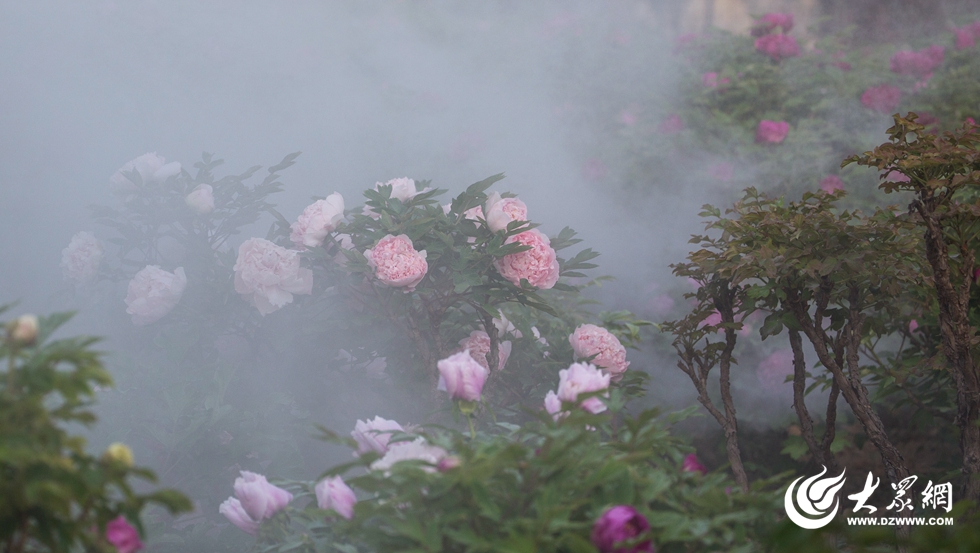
{"points": [[23, 330], [258, 497], [462, 377], [235, 513], [201, 199], [691, 464], [618, 524], [334, 495], [119, 453]]}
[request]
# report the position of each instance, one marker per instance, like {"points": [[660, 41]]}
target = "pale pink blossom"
{"points": [[882, 98], [201, 199], [449, 463], [831, 184], [581, 378], [81, 259], [344, 242], [462, 377], [268, 275], [402, 189], [169, 170], [235, 513], [538, 265], [913, 326], [417, 450], [146, 165], [317, 221], [373, 435], [771, 132], [778, 46], [604, 349], [504, 326], [478, 344], [153, 293], [259, 498], [503, 211], [473, 214], [774, 369], [332, 494], [396, 263], [966, 37], [768, 23], [552, 404], [120, 533], [895, 176]]}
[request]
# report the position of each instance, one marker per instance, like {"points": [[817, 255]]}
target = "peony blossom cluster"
{"points": [[478, 344], [81, 259], [501, 212], [153, 293], [268, 275], [604, 349], [121, 534], [831, 184], [417, 450], [538, 265], [462, 377], [771, 132], [255, 500], [201, 199], [778, 46], [373, 435], [770, 21], [579, 378], [966, 37], [618, 524], [396, 263], [151, 168], [882, 98], [317, 221], [333, 494], [919, 64]]}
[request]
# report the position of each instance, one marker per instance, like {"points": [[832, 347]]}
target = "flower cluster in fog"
{"points": [[538, 265], [81, 259], [770, 21], [778, 46], [882, 98], [601, 348], [151, 168], [153, 293], [255, 500], [268, 275], [771, 132], [503, 211], [579, 378], [919, 64], [396, 263], [317, 221], [416, 450]]}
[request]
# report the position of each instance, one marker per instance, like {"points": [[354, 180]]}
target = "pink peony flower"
{"points": [[590, 340], [396, 263], [913, 326], [81, 259], [920, 64], [153, 293], [259, 498], [317, 220], [418, 450], [768, 23], [122, 535], [895, 176], [778, 46], [582, 378], [503, 211], [672, 125], [774, 369], [146, 165], [691, 464], [201, 199], [373, 435], [771, 132], [332, 494], [618, 524], [462, 377], [268, 275], [402, 189], [831, 183], [552, 404], [539, 265], [504, 326], [478, 344], [710, 80], [235, 513], [966, 37]]}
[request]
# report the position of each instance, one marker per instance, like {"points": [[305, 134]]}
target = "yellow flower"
{"points": [[119, 453]]}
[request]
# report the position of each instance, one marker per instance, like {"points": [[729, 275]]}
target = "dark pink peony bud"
{"points": [[691, 464], [771, 132], [618, 524], [121, 534]]}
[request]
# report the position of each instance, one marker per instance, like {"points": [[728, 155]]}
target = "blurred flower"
{"points": [[589, 340], [81, 259], [23, 330], [268, 275], [344, 242], [503, 211], [373, 435], [721, 171], [711, 80], [684, 41], [661, 304], [201, 199], [839, 62], [777, 46], [594, 170], [417, 450], [448, 463], [671, 125], [920, 64], [774, 369], [462, 377], [582, 378], [122, 535], [552, 404], [478, 344], [235, 513], [771, 132], [966, 37], [713, 319], [768, 23], [627, 117], [895, 176], [913, 326], [119, 453], [153, 293], [396, 262], [538, 265], [258, 497], [618, 524], [691, 464], [504, 326], [317, 220], [831, 183], [402, 189], [146, 165], [332, 494]]}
